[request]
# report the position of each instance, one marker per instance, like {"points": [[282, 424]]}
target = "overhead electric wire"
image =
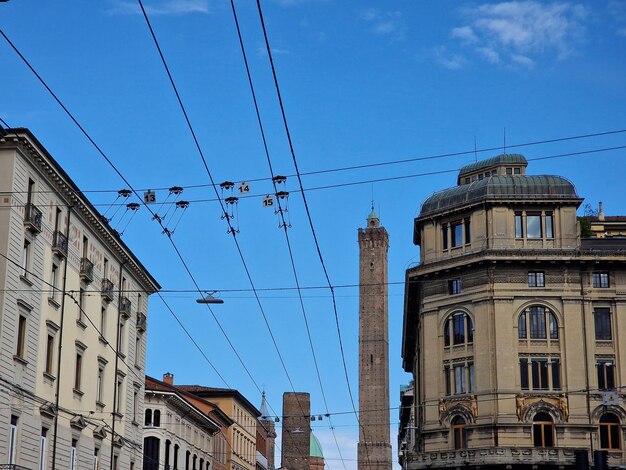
{"points": [[226, 217], [123, 178], [283, 223], [382, 163], [308, 213]]}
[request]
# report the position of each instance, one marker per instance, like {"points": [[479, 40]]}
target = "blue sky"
{"points": [[362, 82]]}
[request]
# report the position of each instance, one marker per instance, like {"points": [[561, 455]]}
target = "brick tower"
{"points": [[296, 436], [374, 449]]}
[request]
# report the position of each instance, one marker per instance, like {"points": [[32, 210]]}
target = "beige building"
{"points": [[514, 326], [241, 437], [73, 303]]}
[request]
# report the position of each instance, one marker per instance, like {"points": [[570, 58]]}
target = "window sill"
{"points": [[117, 414], [26, 280], [49, 377], [53, 303], [80, 323], [103, 340], [78, 393], [100, 405], [20, 359], [135, 423]]}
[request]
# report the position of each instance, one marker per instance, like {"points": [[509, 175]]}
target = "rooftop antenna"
{"points": [[372, 197], [504, 148]]}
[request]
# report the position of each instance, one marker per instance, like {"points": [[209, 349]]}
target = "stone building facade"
{"points": [[374, 447], [180, 430], [73, 320], [513, 326], [241, 451]]}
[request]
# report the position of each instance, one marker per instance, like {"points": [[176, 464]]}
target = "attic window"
{"points": [[517, 171], [509, 171]]}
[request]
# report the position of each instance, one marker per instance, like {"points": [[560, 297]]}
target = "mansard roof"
{"points": [[500, 187], [498, 160]]}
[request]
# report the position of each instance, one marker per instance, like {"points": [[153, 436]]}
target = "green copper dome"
{"points": [[316, 447]]}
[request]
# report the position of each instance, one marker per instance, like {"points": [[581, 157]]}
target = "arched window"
{"points": [[176, 448], [458, 329], [609, 432], [201, 464], [543, 430], [168, 444], [148, 417], [151, 453], [459, 433], [539, 322], [156, 418]]}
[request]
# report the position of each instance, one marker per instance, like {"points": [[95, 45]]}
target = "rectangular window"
{"points": [[12, 440], [536, 279], [85, 247], [533, 225], [26, 258], [459, 379], [103, 321], [509, 171], [96, 451], [118, 404], [523, 373], [539, 369], [54, 281], [444, 233], [602, 323], [454, 286], [549, 225], [457, 234], [600, 279], [468, 231], [471, 377], [43, 449], [121, 337], [57, 219], [446, 372], [517, 171], [519, 227], [50, 354], [480, 177], [556, 374], [78, 371], [606, 375], [100, 384], [81, 304], [467, 180], [458, 323], [137, 350], [21, 337], [73, 455]]}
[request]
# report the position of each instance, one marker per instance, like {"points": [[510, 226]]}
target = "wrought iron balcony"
{"points": [[59, 244], [125, 307], [32, 218], [107, 289], [12, 466], [86, 270], [142, 322]]}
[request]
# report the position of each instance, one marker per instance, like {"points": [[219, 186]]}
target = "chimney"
{"points": [[168, 378], [600, 211]]}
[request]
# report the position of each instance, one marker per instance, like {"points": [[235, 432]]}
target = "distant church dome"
{"points": [[316, 447]]}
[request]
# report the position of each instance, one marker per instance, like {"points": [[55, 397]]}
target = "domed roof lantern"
{"points": [[372, 219]]}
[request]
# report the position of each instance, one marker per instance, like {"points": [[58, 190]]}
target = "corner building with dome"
{"points": [[514, 327]]}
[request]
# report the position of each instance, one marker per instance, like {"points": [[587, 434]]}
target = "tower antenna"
{"points": [[475, 153], [504, 147]]}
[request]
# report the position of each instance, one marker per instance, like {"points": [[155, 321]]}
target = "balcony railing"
{"points": [[32, 218], [59, 244], [125, 307], [107, 289], [142, 322], [488, 456], [12, 466], [86, 270]]}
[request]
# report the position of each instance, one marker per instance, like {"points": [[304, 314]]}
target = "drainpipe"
{"points": [[117, 360], [60, 346]]}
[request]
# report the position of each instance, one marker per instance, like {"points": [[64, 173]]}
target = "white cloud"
{"points": [[522, 31], [447, 59], [166, 7], [617, 11], [384, 23], [465, 34]]}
